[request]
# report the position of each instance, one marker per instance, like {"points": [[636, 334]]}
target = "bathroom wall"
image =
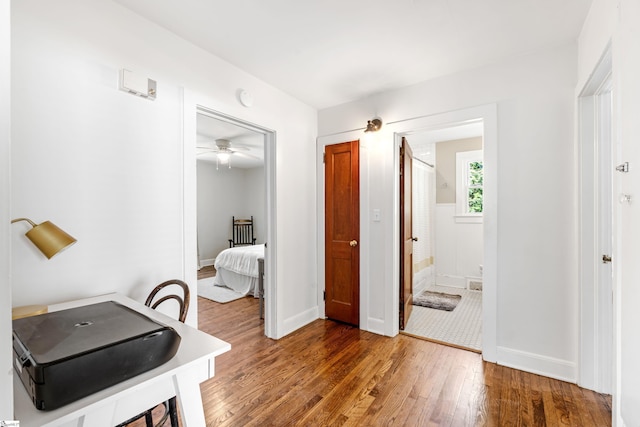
{"points": [[458, 245]]}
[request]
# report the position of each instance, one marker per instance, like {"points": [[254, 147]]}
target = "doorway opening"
{"points": [[263, 188], [447, 235], [487, 115], [230, 186]]}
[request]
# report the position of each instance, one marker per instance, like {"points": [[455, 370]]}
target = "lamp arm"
{"points": [[23, 219]]}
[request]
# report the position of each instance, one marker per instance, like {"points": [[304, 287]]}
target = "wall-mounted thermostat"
{"points": [[137, 85]]}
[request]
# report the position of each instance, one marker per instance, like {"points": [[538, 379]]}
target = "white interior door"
{"points": [[597, 236], [605, 242]]}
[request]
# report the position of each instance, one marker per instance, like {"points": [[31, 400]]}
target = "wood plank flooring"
{"points": [[330, 374]]}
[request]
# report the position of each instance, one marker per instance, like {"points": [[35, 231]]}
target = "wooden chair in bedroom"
{"points": [[242, 232], [170, 409]]}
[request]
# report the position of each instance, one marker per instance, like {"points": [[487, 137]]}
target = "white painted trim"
{"points": [[6, 369], [468, 219], [551, 367], [488, 115], [462, 159], [595, 338], [296, 322], [207, 262], [451, 280], [192, 104], [375, 326]]}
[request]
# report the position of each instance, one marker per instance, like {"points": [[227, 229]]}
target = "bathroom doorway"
{"points": [[447, 196]]}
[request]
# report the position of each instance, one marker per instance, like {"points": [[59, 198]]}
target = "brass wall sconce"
{"points": [[47, 237], [373, 125]]}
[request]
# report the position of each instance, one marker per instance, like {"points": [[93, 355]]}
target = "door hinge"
{"points": [[324, 295], [624, 167], [324, 157]]}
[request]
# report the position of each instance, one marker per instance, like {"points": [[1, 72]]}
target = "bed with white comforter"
{"points": [[237, 269]]}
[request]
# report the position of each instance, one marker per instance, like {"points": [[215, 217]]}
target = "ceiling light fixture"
{"points": [[373, 125], [223, 157]]}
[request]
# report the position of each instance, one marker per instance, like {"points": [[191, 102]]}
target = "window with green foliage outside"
{"points": [[474, 187], [469, 186]]}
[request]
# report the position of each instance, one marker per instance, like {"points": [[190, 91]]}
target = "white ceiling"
{"points": [[247, 144], [329, 52]]}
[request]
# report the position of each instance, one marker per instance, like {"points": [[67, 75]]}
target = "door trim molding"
{"points": [[487, 114], [595, 338], [192, 105]]}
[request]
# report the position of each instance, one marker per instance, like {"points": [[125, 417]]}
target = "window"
{"points": [[469, 186]]}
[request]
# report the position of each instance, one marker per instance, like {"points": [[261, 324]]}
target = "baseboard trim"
{"points": [[207, 262], [375, 326], [299, 320], [452, 281], [551, 367]]}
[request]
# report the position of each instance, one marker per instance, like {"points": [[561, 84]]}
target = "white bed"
{"points": [[237, 269]]}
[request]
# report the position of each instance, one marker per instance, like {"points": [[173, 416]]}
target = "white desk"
{"points": [[181, 376]]}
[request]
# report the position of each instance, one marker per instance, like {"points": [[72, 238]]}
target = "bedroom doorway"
{"points": [[230, 183], [251, 165]]}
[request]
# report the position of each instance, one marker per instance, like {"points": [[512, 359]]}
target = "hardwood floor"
{"points": [[206, 271], [331, 374], [328, 373]]}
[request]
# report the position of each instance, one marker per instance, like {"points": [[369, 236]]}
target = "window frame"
{"points": [[463, 159]]}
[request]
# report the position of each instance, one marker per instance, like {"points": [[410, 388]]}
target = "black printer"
{"points": [[65, 355]]}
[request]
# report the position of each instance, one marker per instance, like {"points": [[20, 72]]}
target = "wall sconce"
{"points": [[47, 237], [373, 125]]}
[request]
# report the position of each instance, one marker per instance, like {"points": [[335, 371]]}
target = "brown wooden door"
{"points": [[406, 233], [342, 232]]}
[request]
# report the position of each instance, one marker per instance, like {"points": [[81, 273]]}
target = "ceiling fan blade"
{"points": [[251, 156], [201, 152]]}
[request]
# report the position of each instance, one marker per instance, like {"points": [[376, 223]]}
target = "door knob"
{"points": [[415, 239], [353, 243], [606, 259]]}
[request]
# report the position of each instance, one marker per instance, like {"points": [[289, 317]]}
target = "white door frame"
{"points": [[192, 105], [487, 114], [596, 183]]}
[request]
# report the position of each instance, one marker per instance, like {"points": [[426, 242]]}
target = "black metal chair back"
{"points": [[241, 232]]}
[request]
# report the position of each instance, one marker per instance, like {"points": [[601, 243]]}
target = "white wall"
{"points": [[107, 166], [618, 23], [254, 203], [6, 381], [458, 247], [458, 242], [536, 280], [222, 194]]}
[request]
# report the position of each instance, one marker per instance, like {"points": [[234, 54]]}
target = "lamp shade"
{"points": [[48, 237]]}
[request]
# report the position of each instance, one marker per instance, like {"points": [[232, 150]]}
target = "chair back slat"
{"points": [[241, 232]]}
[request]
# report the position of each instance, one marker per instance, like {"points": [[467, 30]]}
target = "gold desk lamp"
{"points": [[50, 239]]}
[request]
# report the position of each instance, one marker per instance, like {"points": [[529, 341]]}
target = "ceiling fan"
{"points": [[223, 151]]}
